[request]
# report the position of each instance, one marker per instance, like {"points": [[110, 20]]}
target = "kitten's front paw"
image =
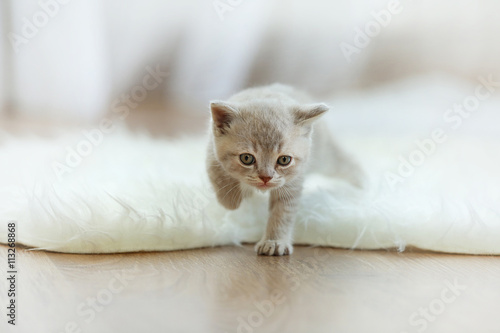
{"points": [[274, 247]]}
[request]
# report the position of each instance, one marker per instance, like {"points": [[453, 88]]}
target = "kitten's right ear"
{"points": [[222, 115], [307, 114]]}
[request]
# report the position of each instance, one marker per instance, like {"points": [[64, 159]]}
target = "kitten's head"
{"points": [[263, 144]]}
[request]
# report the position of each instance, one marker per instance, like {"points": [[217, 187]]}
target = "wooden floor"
{"points": [[230, 289]]}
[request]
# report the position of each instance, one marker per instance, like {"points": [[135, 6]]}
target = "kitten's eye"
{"points": [[284, 160], [247, 159]]}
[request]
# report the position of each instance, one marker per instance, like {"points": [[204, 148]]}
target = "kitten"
{"points": [[261, 140]]}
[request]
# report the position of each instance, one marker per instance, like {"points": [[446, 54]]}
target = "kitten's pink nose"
{"points": [[265, 179]]}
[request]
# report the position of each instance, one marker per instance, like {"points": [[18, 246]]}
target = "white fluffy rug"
{"points": [[136, 193]]}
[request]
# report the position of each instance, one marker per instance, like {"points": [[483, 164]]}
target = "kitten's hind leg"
{"points": [[331, 160]]}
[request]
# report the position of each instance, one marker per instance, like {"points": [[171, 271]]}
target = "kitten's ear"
{"points": [[307, 114], [222, 114]]}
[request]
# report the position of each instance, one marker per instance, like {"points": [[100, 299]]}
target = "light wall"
{"points": [[89, 52]]}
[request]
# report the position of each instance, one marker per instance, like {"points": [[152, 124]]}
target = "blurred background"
{"points": [[75, 61]]}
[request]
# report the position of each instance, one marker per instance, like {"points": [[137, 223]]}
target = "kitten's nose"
{"points": [[265, 179]]}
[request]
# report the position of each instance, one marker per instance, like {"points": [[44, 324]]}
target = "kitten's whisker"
{"points": [[282, 194], [223, 187], [232, 188], [288, 196]]}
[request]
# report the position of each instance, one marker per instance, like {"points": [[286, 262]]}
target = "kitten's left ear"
{"points": [[222, 114], [307, 114]]}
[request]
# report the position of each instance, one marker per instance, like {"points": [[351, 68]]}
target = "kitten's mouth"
{"points": [[263, 186]]}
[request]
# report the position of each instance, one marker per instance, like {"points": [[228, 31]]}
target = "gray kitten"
{"points": [[261, 140]]}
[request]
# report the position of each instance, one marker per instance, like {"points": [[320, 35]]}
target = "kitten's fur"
{"points": [[269, 122]]}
